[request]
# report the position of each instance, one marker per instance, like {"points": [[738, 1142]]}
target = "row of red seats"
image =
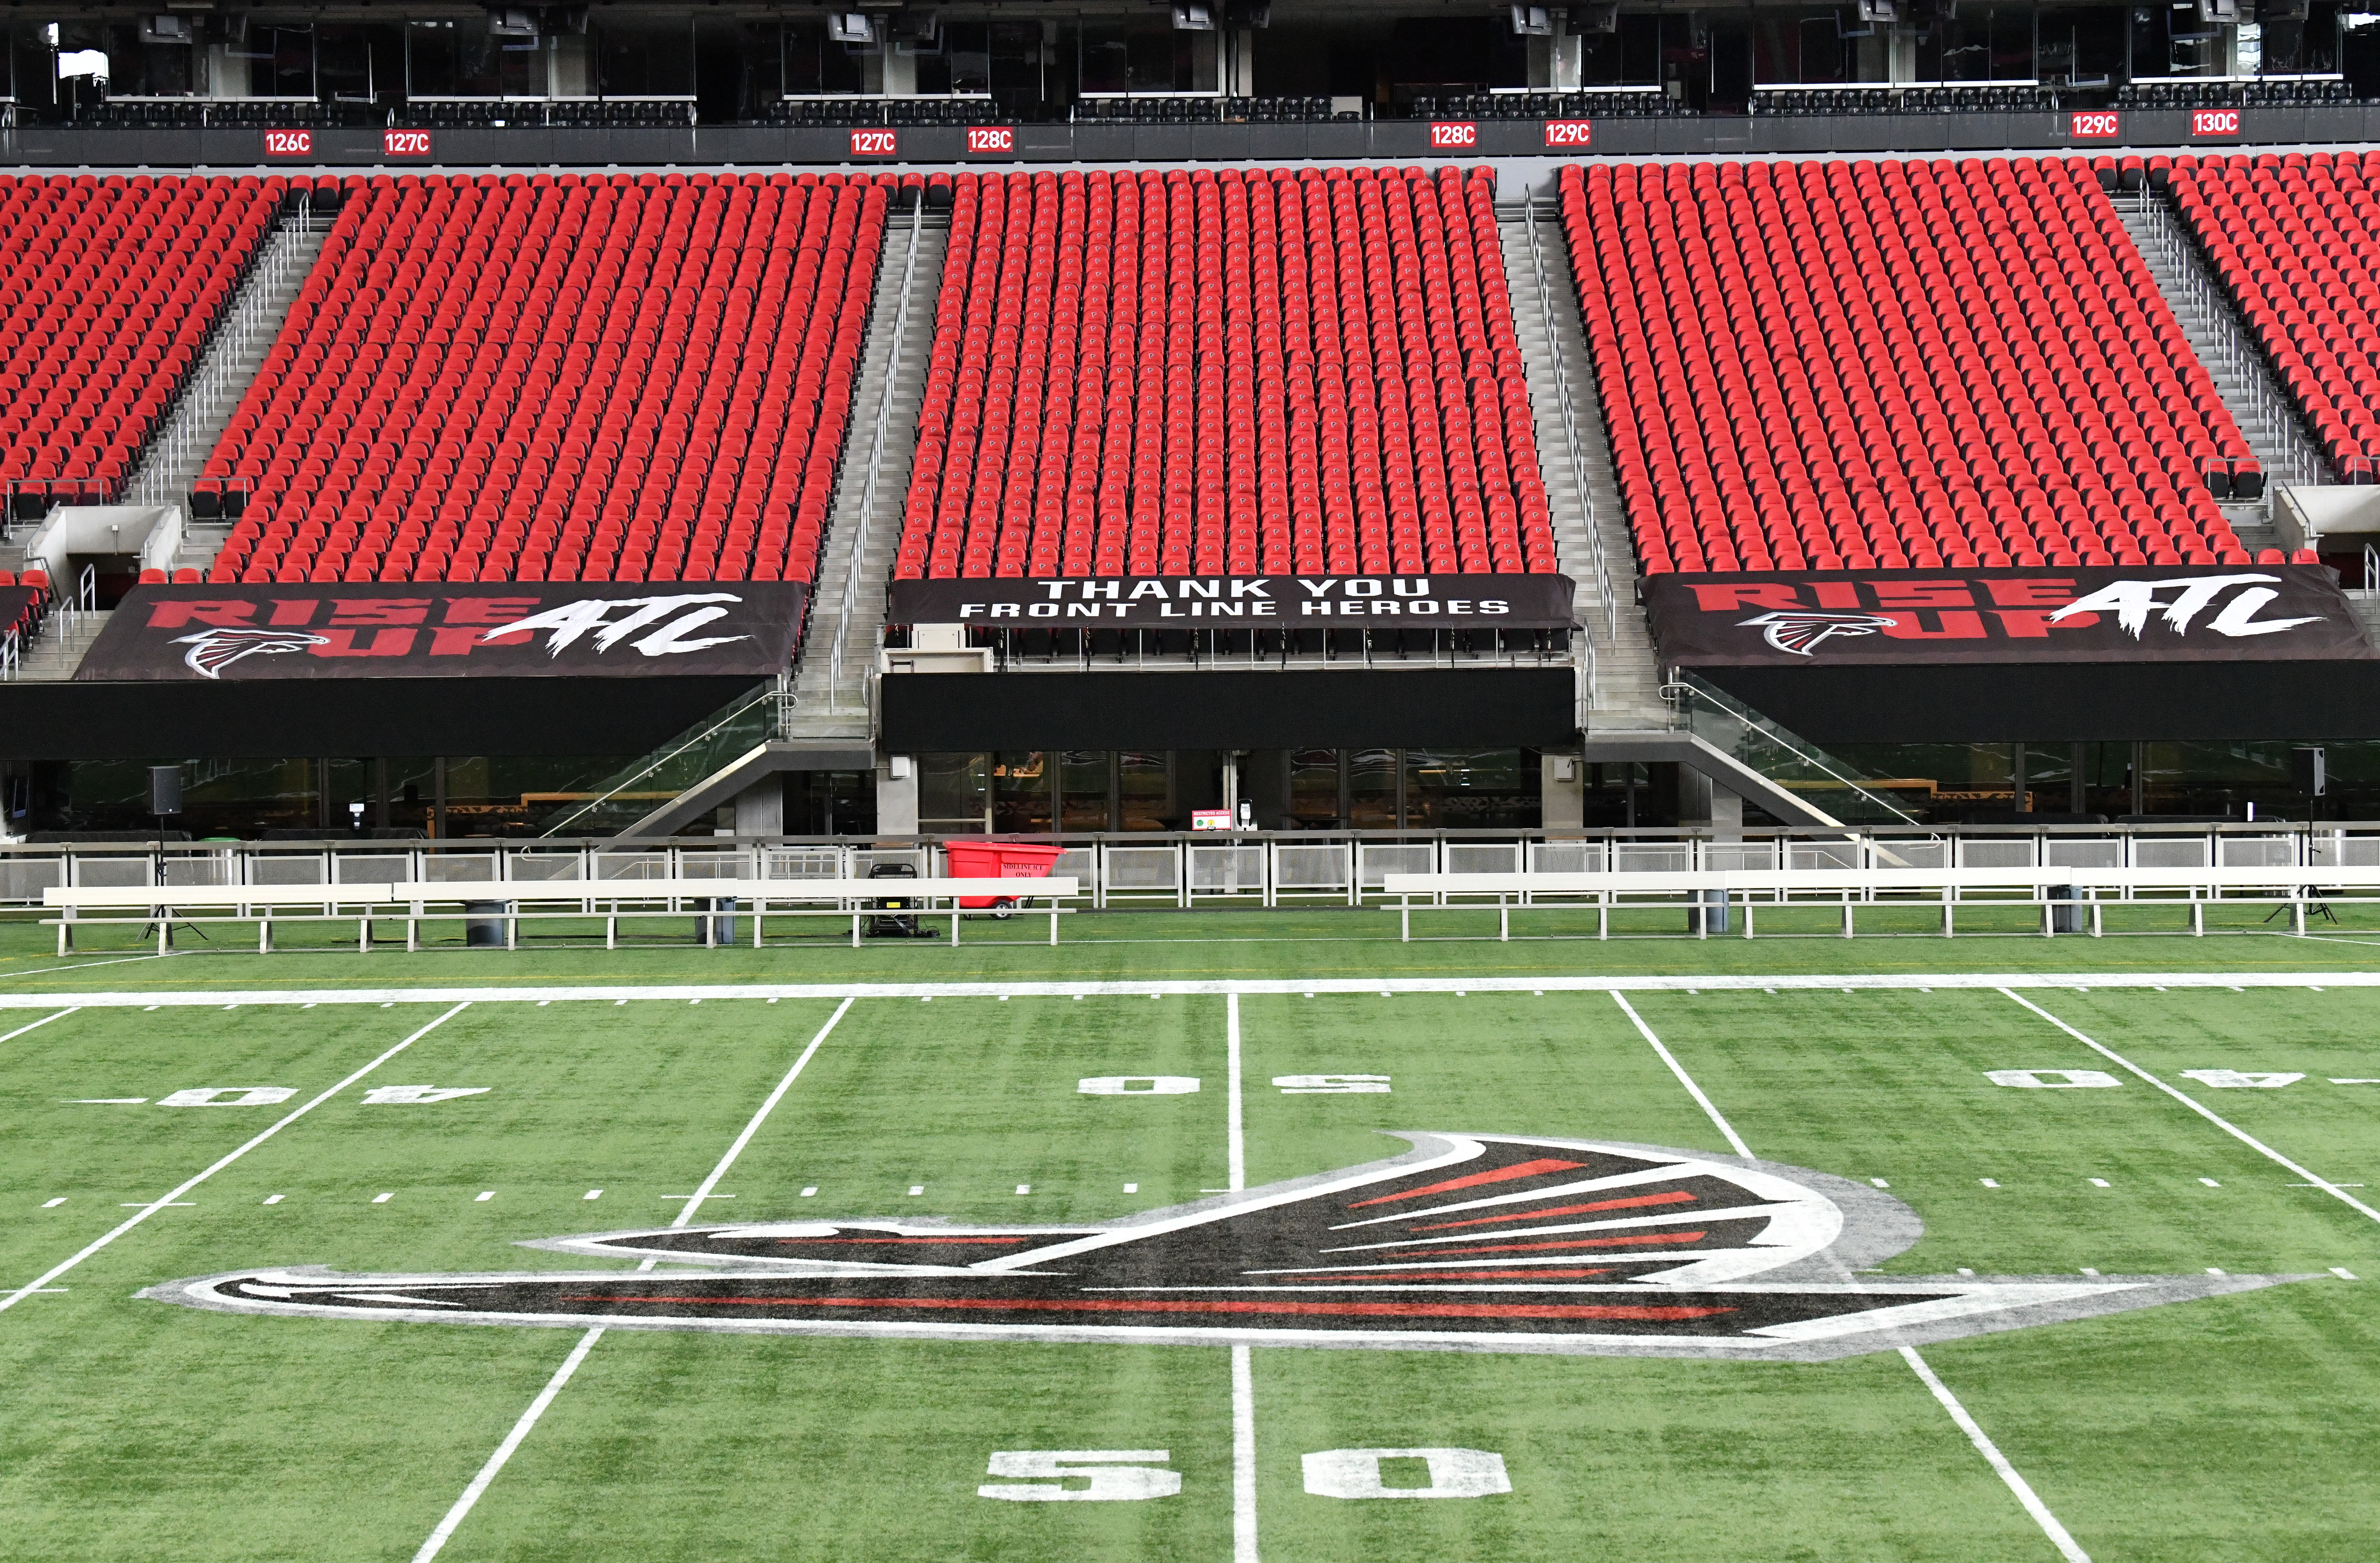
{"points": [[1209, 370], [27, 620], [1830, 364], [109, 290], [559, 377], [2293, 239]]}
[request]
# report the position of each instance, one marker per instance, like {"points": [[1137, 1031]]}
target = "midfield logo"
{"points": [[1475, 1242]]}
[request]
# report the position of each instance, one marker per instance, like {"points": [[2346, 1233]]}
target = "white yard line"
{"points": [[1188, 988], [12, 1299], [38, 1024], [462, 1507], [1243, 1385], [86, 965], [2057, 1532], [2333, 1190]]}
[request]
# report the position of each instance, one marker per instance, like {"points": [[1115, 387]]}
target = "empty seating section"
{"points": [[1858, 365], [1309, 369], [109, 290], [623, 377], [2296, 241]]}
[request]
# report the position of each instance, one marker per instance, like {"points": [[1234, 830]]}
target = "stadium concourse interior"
{"points": [[853, 381]]}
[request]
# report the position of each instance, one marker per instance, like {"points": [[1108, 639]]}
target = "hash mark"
{"points": [[543, 1002], [810, 1192], [273, 1199], [2213, 1271], [1131, 1187], [2210, 1182], [592, 1193], [1024, 1188], [2099, 1182], [484, 1198], [916, 1189], [383, 1198], [1879, 1182], [2343, 1274], [54, 1203], [1964, 1271], [2089, 1271], [1991, 1183]]}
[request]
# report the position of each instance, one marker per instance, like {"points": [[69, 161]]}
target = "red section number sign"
{"points": [[1450, 134], [2094, 125], [405, 143], [2214, 122], [1569, 132], [875, 143], [289, 143], [991, 138]]}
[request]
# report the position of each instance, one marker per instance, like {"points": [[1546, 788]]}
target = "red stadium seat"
{"points": [[1206, 370], [474, 366], [1833, 365]]}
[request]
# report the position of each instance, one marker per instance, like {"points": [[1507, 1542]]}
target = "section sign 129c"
{"points": [[1569, 132], [2096, 125]]}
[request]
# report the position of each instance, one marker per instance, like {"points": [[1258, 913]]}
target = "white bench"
{"points": [[513, 901], [1714, 892]]}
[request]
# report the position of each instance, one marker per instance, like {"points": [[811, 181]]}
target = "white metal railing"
{"points": [[1260, 868], [12, 657], [1597, 563], [856, 557], [182, 446], [2273, 417]]}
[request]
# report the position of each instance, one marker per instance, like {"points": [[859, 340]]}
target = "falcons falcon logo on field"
{"points": [[213, 650], [1469, 1242], [1801, 631]]}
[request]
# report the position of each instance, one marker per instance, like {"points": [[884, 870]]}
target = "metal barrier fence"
{"points": [[1275, 868]]}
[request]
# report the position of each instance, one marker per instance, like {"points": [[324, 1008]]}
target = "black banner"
{"points": [[2265, 613], [614, 629], [1239, 602]]}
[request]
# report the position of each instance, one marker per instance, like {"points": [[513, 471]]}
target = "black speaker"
{"points": [[2309, 771], [165, 788]]}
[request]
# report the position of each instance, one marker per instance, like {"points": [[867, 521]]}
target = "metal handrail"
{"points": [[857, 557], [1600, 565], [2274, 414], [773, 692], [1685, 687]]}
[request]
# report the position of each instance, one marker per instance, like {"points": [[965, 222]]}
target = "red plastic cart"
{"points": [[998, 860]]}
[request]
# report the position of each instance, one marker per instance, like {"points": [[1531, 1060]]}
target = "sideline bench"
{"points": [[515, 902], [1710, 895]]}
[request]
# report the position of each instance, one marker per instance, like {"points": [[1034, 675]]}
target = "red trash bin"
{"points": [[998, 860]]}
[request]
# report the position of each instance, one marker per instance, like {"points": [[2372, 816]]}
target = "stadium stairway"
{"points": [[864, 527], [1627, 669], [58, 649], [2210, 325], [251, 321]]}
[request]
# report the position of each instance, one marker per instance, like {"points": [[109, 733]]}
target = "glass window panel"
{"points": [[1020, 791], [1372, 790], [645, 59], [1146, 788], [952, 791], [1472, 789], [1083, 781], [1314, 787]]}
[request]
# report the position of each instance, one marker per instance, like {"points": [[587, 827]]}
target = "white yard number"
{"points": [[1356, 1473], [1332, 1084], [2052, 1079], [396, 1096], [1138, 1086], [2233, 1080], [1109, 1475], [229, 1096]]}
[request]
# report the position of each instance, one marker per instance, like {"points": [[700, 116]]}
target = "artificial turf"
{"points": [[2231, 1427]]}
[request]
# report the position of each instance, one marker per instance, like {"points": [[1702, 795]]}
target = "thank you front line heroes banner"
{"points": [[2262, 612], [432, 629], [1238, 602]]}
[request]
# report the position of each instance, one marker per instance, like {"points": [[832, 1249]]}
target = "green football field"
{"points": [[2164, 1108]]}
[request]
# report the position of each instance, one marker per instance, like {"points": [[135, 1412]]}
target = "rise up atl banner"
{"points": [[2265, 613], [1239, 602], [606, 629]]}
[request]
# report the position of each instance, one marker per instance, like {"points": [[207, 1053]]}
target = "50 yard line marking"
{"points": [[2057, 1532], [12, 1299], [2194, 1105], [462, 1507]]}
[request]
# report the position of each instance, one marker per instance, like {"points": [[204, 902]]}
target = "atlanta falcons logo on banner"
{"points": [[213, 650], [1477, 1242], [1803, 633]]}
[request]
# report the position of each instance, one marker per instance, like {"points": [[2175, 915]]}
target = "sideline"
{"points": [[1892, 982], [2059, 1535]]}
